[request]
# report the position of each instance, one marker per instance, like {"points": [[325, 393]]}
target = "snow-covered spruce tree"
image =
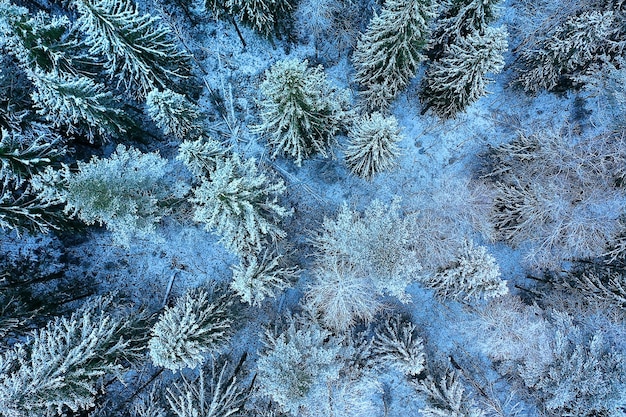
{"points": [[447, 397], [76, 101], [461, 18], [380, 241], [389, 52], [474, 275], [173, 113], [25, 210], [572, 48], [62, 366], [341, 294], [240, 204], [201, 156], [23, 154], [261, 15], [459, 79], [198, 324], [372, 147], [139, 49], [396, 343], [39, 41], [256, 278], [122, 191], [301, 111], [223, 395], [296, 363]]}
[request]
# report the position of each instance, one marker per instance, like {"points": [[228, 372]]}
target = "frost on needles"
{"points": [[241, 204], [301, 111]]}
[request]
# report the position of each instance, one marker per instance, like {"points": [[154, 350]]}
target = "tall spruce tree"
{"points": [[61, 367], [139, 49], [389, 53], [301, 111], [459, 78], [76, 101], [461, 19]]}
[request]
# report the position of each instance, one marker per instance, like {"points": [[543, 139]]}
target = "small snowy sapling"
{"points": [[373, 145]]}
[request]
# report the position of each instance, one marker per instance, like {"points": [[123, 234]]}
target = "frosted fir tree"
{"points": [[197, 325], [301, 111], [173, 113], [139, 49], [296, 363], [459, 78], [259, 277], [124, 192], [474, 275], [201, 156], [341, 294], [40, 41], [215, 393], [461, 18], [389, 52], [447, 397], [572, 49], [240, 204], [75, 100], [397, 344], [380, 241], [261, 15], [373, 145], [25, 210], [62, 366], [23, 154]]}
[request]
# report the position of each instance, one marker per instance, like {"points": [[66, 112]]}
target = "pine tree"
{"points": [[459, 78], [25, 210], [67, 100], [41, 41], [222, 396], [122, 191], [301, 111], [461, 19], [23, 154], [241, 204], [585, 376], [138, 49], [201, 156], [573, 47], [389, 53], [261, 15], [60, 368], [447, 398], [197, 325], [395, 342], [296, 363], [173, 113], [258, 278], [474, 275], [372, 147]]}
